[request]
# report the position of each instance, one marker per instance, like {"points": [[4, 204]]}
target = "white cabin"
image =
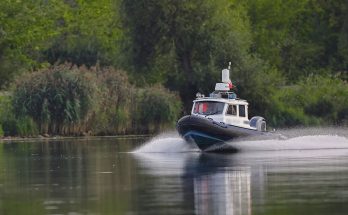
{"points": [[229, 111], [224, 107]]}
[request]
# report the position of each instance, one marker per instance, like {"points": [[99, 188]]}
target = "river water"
{"points": [[307, 173]]}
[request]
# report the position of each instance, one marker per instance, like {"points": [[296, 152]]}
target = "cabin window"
{"points": [[232, 110], [208, 107], [242, 111]]}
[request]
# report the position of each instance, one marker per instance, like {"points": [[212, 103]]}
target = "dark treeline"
{"points": [[289, 58]]}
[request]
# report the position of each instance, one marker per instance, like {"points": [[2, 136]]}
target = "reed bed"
{"points": [[69, 100]]}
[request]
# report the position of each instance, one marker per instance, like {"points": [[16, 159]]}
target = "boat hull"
{"points": [[210, 135]]}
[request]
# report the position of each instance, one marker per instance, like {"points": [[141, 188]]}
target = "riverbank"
{"points": [[49, 138], [67, 100]]}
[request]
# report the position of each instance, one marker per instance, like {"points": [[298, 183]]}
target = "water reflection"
{"points": [[65, 177], [95, 176], [261, 182], [223, 193], [218, 185]]}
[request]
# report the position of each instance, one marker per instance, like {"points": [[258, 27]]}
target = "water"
{"points": [[163, 175]]}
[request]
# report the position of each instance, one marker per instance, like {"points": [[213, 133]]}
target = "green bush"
{"points": [[59, 99], [125, 109], [317, 100], [327, 98], [67, 100], [156, 108]]}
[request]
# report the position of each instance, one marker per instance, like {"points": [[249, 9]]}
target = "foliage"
{"points": [[315, 100], [258, 86], [116, 98], [59, 99], [26, 28], [1, 131], [185, 44], [34, 33], [301, 38], [89, 34], [324, 101], [156, 109], [7, 118], [12, 126], [278, 49], [70, 100], [125, 109], [26, 127]]}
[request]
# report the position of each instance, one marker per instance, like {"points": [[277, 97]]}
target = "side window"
{"points": [[232, 110], [196, 108], [241, 110]]}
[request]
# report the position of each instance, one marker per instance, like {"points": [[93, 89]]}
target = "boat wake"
{"points": [[315, 142], [296, 139], [169, 142]]}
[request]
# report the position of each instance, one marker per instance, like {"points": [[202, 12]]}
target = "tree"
{"points": [[185, 44], [90, 34], [25, 28], [34, 33], [300, 37]]}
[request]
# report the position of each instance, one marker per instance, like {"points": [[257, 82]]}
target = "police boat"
{"points": [[219, 118]]}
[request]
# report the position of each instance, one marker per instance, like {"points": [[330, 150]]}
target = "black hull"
{"points": [[210, 135]]}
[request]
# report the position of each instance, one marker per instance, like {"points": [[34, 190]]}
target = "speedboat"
{"points": [[219, 118]]}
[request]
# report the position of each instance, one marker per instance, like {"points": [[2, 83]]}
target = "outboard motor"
{"points": [[258, 122]]}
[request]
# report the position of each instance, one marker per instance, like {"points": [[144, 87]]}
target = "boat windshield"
{"points": [[208, 107]]}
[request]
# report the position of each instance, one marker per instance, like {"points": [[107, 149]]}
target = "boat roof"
{"points": [[224, 100]]}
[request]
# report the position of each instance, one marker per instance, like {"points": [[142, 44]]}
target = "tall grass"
{"points": [[69, 100], [116, 100], [7, 118], [59, 99], [1, 131], [26, 127], [12, 126], [125, 109]]}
